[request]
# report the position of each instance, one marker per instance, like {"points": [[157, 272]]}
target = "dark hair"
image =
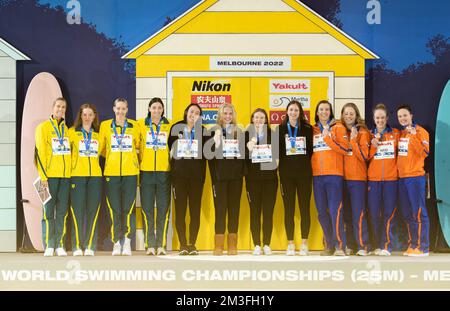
{"points": [[263, 112], [301, 116], [316, 117], [407, 107], [187, 109], [155, 100], [380, 106], [123, 100], [78, 121]]}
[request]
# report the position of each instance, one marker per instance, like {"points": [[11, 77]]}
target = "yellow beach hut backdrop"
{"points": [[251, 53]]}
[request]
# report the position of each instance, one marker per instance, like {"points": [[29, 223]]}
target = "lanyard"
{"points": [[190, 137], [321, 126], [119, 138], [382, 132], [155, 137], [87, 138], [292, 138], [60, 135]]}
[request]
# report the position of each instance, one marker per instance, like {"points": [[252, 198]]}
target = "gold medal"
{"points": [[293, 150]]}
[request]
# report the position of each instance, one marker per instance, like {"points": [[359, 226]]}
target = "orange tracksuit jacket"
{"points": [[384, 169], [355, 161], [412, 151], [329, 159]]}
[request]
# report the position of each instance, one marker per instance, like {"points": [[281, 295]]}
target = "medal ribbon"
{"points": [[292, 138], [60, 135], [119, 138], [87, 138]]}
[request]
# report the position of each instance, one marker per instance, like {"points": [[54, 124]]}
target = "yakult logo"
{"points": [[289, 86]]}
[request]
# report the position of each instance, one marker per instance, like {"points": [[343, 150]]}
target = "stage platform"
{"points": [[206, 272]]}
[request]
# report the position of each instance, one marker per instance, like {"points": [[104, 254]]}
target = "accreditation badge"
{"points": [[300, 146], [186, 151], [385, 150], [125, 145], [231, 148], [403, 147], [159, 143], [319, 143], [60, 149], [262, 154], [93, 149]]}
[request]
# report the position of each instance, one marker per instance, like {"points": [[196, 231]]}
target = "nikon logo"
{"points": [[209, 86]]}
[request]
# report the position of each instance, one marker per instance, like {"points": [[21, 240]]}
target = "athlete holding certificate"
{"points": [[227, 171], [52, 157], [261, 179], [188, 171]]}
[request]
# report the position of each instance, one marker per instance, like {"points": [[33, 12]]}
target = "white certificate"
{"points": [[385, 150], [262, 154], [93, 149], [300, 146], [59, 149], [403, 147], [161, 140], [319, 143], [186, 151], [231, 148], [126, 146]]}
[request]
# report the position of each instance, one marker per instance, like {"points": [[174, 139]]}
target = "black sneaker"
{"points": [[192, 250], [183, 251]]}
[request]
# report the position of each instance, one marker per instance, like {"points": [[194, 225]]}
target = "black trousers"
{"points": [[303, 188], [227, 199], [184, 190], [261, 195]]}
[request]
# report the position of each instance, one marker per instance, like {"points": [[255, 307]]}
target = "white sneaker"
{"points": [[49, 252], [376, 252], [290, 249], [78, 252], [126, 250], [116, 249], [361, 252], [161, 251], [151, 251], [60, 252], [384, 252], [257, 250], [303, 250], [267, 250], [339, 252], [88, 252]]}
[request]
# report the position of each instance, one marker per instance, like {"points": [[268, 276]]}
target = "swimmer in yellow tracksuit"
{"points": [[120, 138], [86, 181], [53, 161]]}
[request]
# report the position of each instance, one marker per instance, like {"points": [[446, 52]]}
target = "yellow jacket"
{"points": [[120, 162], [151, 160], [85, 164], [52, 160]]}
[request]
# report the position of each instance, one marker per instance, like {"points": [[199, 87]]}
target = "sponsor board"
{"points": [[282, 101]]}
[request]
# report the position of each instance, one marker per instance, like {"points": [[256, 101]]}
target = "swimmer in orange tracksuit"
{"points": [[383, 181], [355, 175], [413, 148], [330, 145]]}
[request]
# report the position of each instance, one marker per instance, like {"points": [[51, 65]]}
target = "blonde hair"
{"points": [[359, 121], [221, 111]]}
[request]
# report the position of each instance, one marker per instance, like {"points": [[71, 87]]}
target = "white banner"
{"points": [[281, 101], [249, 63], [290, 86]]}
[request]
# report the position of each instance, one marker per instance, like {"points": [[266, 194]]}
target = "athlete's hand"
{"points": [[251, 143], [218, 137], [411, 130], [44, 183], [374, 142]]}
